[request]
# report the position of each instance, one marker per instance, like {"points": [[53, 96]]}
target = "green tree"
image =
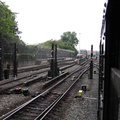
{"points": [[70, 37], [8, 25], [68, 41], [48, 43]]}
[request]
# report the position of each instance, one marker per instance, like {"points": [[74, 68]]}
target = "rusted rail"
{"points": [[27, 79], [38, 107]]}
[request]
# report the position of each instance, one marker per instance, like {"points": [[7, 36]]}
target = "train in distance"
{"points": [[82, 54], [87, 54]]}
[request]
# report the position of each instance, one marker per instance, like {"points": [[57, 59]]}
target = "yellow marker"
{"points": [[80, 92], [67, 70]]}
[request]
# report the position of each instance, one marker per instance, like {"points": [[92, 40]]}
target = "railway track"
{"points": [[26, 79], [41, 105], [37, 67]]}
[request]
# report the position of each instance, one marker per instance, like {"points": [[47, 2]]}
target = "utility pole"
{"points": [[15, 61], [52, 61], [56, 67], [91, 63], [79, 42], [54, 70], [1, 62]]}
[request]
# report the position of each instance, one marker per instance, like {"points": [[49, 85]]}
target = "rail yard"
{"points": [[49, 89], [43, 82], [31, 95]]}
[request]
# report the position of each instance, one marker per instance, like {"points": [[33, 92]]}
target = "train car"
{"points": [[109, 69], [82, 56]]}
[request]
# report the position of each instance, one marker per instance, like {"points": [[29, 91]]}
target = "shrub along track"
{"points": [[41, 105]]}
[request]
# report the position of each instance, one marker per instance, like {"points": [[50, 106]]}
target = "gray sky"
{"points": [[42, 20]]}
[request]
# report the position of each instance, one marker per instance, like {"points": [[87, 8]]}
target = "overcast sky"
{"points": [[42, 20]]}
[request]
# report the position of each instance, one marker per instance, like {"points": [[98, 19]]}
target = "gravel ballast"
{"points": [[75, 108], [11, 101], [85, 108]]}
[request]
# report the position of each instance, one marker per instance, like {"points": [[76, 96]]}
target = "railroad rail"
{"points": [[41, 105], [27, 79], [37, 67]]}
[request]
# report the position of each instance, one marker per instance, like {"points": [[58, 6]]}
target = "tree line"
{"points": [[9, 32], [67, 41]]}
